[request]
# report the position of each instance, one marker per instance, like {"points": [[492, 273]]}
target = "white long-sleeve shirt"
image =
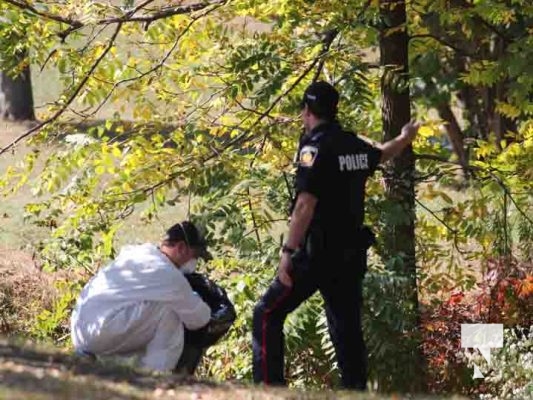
{"points": [[138, 305]]}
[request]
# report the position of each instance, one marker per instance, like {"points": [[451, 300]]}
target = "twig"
{"points": [[259, 226], [140, 7], [238, 139], [154, 68], [444, 43], [254, 222], [454, 231], [47, 59], [508, 193], [53, 17], [327, 41], [91, 40], [168, 12], [75, 24]]}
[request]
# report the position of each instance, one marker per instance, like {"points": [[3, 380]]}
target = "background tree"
{"points": [[399, 174], [16, 95]]}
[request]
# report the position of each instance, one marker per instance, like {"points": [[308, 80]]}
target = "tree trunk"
{"points": [[16, 96], [455, 135], [399, 238]]}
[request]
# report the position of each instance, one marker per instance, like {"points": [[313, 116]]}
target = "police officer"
{"points": [[326, 245]]}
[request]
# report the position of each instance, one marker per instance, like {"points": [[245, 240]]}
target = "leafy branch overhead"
{"points": [[127, 14], [149, 109]]}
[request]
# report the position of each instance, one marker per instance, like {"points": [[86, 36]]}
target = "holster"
{"points": [[315, 246]]}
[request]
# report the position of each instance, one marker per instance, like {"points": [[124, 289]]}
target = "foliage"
{"points": [[511, 372], [53, 323], [211, 94], [389, 338], [504, 296]]}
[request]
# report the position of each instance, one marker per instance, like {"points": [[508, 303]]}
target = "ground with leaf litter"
{"points": [[39, 372]]}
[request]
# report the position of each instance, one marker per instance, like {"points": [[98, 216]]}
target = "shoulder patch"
{"points": [[307, 156]]}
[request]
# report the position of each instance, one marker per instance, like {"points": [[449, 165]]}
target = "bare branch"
{"points": [[72, 96]]}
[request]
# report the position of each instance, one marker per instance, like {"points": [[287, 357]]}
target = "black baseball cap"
{"points": [[322, 99], [186, 231]]}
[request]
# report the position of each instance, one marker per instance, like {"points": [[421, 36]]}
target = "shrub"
{"points": [[504, 296], [510, 376]]}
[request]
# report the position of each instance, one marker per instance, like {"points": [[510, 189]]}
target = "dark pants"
{"points": [[340, 284]]}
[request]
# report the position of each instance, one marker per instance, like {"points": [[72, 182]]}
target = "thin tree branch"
{"points": [[165, 57], [508, 193], [92, 39], [266, 222], [444, 43], [59, 112], [452, 230], [140, 7], [254, 222], [165, 13], [492, 28], [75, 24], [474, 168], [329, 37], [28, 7], [50, 55]]}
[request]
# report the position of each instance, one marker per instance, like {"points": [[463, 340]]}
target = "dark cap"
{"points": [[322, 99], [186, 231]]}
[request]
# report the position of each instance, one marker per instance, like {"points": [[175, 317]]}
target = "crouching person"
{"points": [[142, 303]]}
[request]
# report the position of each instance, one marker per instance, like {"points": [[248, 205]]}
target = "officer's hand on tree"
{"points": [[284, 269], [410, 130]]}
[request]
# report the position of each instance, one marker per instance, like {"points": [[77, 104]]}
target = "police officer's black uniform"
{"points": [[333, 165]]}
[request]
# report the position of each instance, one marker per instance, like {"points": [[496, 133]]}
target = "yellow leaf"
{"points": [[426, 131]]}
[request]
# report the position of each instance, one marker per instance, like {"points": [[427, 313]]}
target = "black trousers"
{"points": [[340, 284]]}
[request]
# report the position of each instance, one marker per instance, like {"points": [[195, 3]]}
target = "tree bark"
{"points": [[16, 96], [455, 134], [399, 238], [396, 112]]}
